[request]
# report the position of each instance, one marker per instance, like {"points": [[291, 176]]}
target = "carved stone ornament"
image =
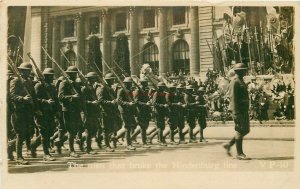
{"points": [[179, 33], [149, 36], [69, 45]]}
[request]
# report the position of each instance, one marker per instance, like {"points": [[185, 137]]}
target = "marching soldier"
{"points": [[11, 144], [48, 103], [23, 116], [142, 100], [70, 100], [127, 110], [92, 123], [105, 95], [239, 105], [201, 113], [181, 112], [174, 103], [191, 104], [160, 105]]}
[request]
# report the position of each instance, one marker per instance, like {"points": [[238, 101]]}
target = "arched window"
{"points": [[71, 56], [150, 56], [181, 57]]}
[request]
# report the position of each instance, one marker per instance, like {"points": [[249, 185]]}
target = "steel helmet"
{"points": [[48, 71], [180, 86], [91, 74], [172, 85], [78, 80], [109, 76], [71, 69], [128, 80], [25, 66], [189, 87], [201, 89], [144, 79], [239, 66], [161, 84]]}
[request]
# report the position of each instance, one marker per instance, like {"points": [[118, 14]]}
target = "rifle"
{"points": [[123, 71], [15, 70], [64, 74], [100, 78], [39, 75], [262, 44], [119, 80]]}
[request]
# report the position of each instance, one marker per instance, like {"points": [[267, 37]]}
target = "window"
{"points": [[181, 57], [178, 15], [71, 56], [94, 25], [69, 28], [150, 56], [149, 19], [121, 19]]}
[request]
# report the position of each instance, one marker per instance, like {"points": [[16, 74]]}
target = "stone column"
{"points": [[134, 41], [55, 45], [106, 52], [80, 41], [163, 44], [194, 50]]}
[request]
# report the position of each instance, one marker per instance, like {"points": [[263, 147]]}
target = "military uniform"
{"points": [[191, 113], [173, 102], [71, 107], [201, 112], [127, 110], [160, 111], [180, 113], [46, 121], [23, 115], [106, 97], [92, 123], [11, 135], [141, 98]]}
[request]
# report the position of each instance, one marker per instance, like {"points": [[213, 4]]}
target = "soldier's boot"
{"points": [[35, 142], [71, 146], [128, 140], [11, 147], [228, 146], [191, 136], [59, 143], [172, 140], [150, 138], [181, 137], [202, 139], [19, 143], [21, 161], [80, 142], [53, 138], [89, 149], [48, 157], [166, 133], [195, 132], [99, 139], [136, 132], [242, 156], [161, 138]]}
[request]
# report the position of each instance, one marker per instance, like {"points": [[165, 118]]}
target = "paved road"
{"points": [[267, 155]]}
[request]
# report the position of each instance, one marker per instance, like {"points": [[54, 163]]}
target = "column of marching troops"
{"points": [[50, 112]]}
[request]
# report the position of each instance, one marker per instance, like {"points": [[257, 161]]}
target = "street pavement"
{"points": [[267, 155]]}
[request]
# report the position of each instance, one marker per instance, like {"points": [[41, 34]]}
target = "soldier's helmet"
{"points": [[189, 87], [109, 76], [180, 86], [144, 79], [48, 71], [91, 75], [78, 80], [161, 84], [71, 69], [172, 85], [231, 73], [201, 89], [239, 66], [128, 80], [25, 66]]}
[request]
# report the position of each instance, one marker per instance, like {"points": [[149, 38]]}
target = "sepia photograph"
{"points": [[152, 89]]}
